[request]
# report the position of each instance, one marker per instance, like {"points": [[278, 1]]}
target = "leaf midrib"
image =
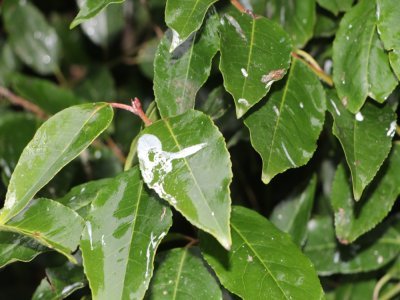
{"points": [[178, 274], [253, 29]]}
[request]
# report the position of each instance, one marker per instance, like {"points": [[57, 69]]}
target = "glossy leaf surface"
{"points": [[292, 215], [33, 39], [255, 52], [18, 247], [45, 94], [185, 160], [58, 141], [335, 6], [369, 253], [352, 219], [51, 224], [180, 273], [178, 75], [388, 13], [360, 63], [263, 261], [372, 128], [90, 8], [285, 129], [60, 282], [185, 17], [297, 17], [123, 230]]}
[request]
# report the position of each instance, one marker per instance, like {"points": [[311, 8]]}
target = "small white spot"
{"points": [[244, 72], [165, 292], [212, 213], [287, 155], [350, 26], [249, 258], [243, 101], [312, 224], [392, 129], [276, 110], [359, 117], [335, 107], [102, 240], [347, 38], [336, 257], [89, 230], [236, 25], [301, 105], [379, 260]]}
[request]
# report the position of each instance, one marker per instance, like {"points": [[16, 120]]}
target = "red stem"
{"points": [[135, 108]]}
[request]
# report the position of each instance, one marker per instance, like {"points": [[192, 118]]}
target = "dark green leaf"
{"points": [[325, 26], [123, 231], [179, 75], [17, 247], [255, 52], [98, 86], [90, 8], [263, 261], [181, 274], [8, 63], [355, 290], [51, 224], [48, 96], [292, 215], [297, 17], [60, 282], [372, 128], [185, 160], [146, 56], [31, 37], [361, 65], [285, 129], [58, 141], [352, 219], [371, 252], [335, 6], [184, 18], [388, 12], [104, 27], [216, 104]]}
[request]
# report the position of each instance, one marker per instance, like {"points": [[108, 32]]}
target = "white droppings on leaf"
{"points": [[249, 258], [90, 234], [301, 105], [359, 117], [392, 129], [379, 260], [312, 224], [244, 102], [151, 247], [244, 72], [176, 41], [236, 25], [336, 257], [156, 164], [335, 107], [10, 200], [276, 110], [287, 155]]}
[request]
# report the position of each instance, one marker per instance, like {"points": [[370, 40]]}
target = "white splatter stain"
{"points": [[89, 231], [335, 107], [359, 117], [176, 41], [243, 101], [10, 199], [236, 25], [156, 163], [154, 241], [244, 72], [287, 155], [392, 129]]}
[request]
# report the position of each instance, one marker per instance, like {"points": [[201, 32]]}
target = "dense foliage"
{"points": [[199, 149]]}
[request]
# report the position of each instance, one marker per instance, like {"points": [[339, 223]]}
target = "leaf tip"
{"points": [[266, 178]]}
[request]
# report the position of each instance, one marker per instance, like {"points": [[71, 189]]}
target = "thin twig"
{"points": [[379, 285], [311, 62], [19, 101], [135, 108]]}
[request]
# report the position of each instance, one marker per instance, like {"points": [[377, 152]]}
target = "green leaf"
{"points": [[146, 56], [104, 27], [336, 6], [388, 13], [51, 224], [48, 96], [371, 252], [216, 104], [123, 230], [179, 75], [297, 17], [360, 63], [292, 215], [60, 282], [12, 141], [325, 26], [255, 52], [184, 18], [354, 290], [181, 273], [99, 85], [185, 160], [89, 9], [58, 141], [352, 219], [31, 37], [372, 128], [263, 261], [285, 129], [9, 63], [17, 247]]}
